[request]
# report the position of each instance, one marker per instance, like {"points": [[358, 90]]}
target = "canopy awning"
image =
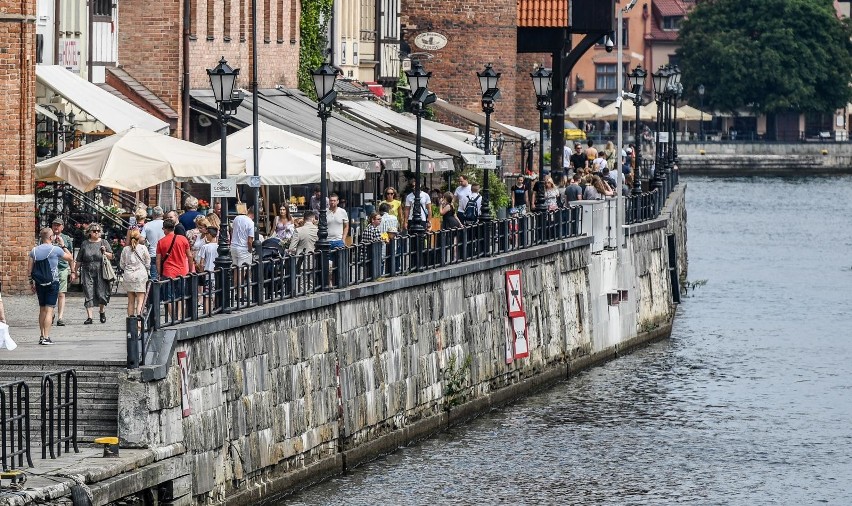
{"points": [[102, 106], [350, 142], [393, 122], [513, 132]]}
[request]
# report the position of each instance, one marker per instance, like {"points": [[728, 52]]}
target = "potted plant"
{"points": [[43, 147]]}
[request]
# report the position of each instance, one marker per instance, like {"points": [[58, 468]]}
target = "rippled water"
{"points": [[749, 402]]}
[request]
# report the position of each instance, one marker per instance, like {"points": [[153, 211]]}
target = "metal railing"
{"points": [[15, 425], [52, 433]]}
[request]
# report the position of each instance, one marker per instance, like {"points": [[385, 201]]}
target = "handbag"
{"points": [[107, 272]]}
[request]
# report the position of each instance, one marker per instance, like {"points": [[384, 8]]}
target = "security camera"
{"points": [[609, 44]]}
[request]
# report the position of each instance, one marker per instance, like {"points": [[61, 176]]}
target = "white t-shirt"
{"points": [[207, 256], [243, 228], [336, 220], [425, 203], [462, 193]]}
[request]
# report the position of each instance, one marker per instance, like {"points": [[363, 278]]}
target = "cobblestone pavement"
{"points": [[75, 341]]}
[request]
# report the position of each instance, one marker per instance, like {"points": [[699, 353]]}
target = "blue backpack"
{"points": [[41, 273], [471, 210]]}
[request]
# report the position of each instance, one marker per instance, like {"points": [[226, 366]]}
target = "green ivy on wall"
{"points": [[313, 27]]}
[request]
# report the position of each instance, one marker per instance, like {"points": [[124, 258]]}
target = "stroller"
{"points": [[272, 252]]}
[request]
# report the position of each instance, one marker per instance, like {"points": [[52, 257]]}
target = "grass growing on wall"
{"points": [[313, 27]]}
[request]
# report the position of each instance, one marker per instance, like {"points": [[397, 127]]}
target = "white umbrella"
{"points": [[133, 160], [243, 139], [689, 113], [628, 112], [280, 165], [582, 110]]}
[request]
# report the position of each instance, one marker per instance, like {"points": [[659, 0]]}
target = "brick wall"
{"points": [[17, 151]]}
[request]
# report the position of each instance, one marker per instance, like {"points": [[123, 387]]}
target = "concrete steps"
{"points": [[97, 396]]}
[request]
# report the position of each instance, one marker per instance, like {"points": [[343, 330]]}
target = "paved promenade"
{"points": [[99, 342]]}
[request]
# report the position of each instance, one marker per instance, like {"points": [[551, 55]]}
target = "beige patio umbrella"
{"points": [[133, 160], [628, 113], [266, 133], [689, 113], [582, 110]]}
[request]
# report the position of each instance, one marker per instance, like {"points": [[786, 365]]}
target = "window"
{"points": [[625, 37], [343, 53], [354, 53], [605, 76], [279, 22], [193, 24], [267, 20], [672, 22], [102, 8], [226, 22], [211, 18]]}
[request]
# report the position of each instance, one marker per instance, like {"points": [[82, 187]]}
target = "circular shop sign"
{"points": [[430, 41]]}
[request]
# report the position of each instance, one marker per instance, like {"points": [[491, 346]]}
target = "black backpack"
{"points": [[41, 273], [471, 211]]}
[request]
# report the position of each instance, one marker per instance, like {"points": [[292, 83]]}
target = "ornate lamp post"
{"points": [[661, 83], [701, 105], [671, 115], [223, 78], [637, 84], [418, 79], [541, 83], [490, 92], [324, 79]]}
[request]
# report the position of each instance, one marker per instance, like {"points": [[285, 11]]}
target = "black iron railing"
{"points": [[15, 425], [58, 412]]}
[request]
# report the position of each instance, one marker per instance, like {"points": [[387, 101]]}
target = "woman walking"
{"points": [[135, 262], [90, 257], [283, 227]]}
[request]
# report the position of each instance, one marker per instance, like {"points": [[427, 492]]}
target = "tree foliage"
{"points": [[767, 55], [313, 26]]}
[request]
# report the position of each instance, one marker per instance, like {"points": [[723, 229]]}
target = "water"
{"points": [[748, 402]]}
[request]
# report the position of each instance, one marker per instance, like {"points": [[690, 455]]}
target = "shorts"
{"points": [[173, 290], [63, 280], [239, 257], [47, 294], [336, 244]]}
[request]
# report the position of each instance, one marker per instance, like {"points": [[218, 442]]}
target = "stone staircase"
{"points": [[97, 395]]}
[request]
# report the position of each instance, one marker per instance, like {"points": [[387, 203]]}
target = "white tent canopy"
{"points": [[282, 165], [133, 160], [689, 113], [582, 110], [628, 112], [266, 133]]}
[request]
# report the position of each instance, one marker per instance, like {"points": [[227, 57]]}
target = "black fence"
{"points": [[277, 276], [58, 413], [15, 425]]}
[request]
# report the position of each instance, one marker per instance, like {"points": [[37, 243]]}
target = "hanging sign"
{"points": [[514, 293], [430, 41], [487, 162], [223, 188]]}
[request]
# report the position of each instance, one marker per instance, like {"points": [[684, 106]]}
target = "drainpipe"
{"points": [[185, 98], [91, 41], [56, 14]]}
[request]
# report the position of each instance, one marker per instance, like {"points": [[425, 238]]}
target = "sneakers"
{"points": [[60, 322], [44, 341], [88, 321]]}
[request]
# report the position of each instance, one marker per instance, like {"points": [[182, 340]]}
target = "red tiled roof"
{"points": [[670, 7], [542, 13], [658, 33]]}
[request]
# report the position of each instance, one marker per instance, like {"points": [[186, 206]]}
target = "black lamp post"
{"points": [[223, 78], [541, 82], [701, 105], [324, 79], [488, 82], [637, 84], [418, 80], [661, 82], [671, 116]]}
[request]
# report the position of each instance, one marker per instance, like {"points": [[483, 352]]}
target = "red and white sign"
{"points": [[183, 363], [69, 55], [519, 331], [514, 293]]}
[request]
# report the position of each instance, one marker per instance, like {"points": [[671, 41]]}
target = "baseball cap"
{"points": [[57, 221]]}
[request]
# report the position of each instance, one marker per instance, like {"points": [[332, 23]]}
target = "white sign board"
{"points": [[223, 188], [69, 55], [486, 162], [662, 137], [430, 41]]}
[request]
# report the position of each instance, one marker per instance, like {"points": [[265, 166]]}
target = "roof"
{"points": [[351, 142], [390, 121], [513, 132], [113, 112], [137, 93], [542, 13], [666, 8], [670, 7]]}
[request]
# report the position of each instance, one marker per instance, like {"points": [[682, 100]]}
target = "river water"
{"points": [[749, 402]]}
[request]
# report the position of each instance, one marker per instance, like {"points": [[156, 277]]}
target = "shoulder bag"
{"points": [[107, 271]]}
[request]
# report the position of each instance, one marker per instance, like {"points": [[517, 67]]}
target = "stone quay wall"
{"points": [[765, 158], [284, 395]]}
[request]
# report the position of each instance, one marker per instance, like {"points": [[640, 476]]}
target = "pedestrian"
{"points": [[473, 206], [197, 236], [393, 202], [135, 262], [67, 270], [45, 282], [551, 194], [371, 232], [520, 198], [179, 228], [462, 194], [591, 152], [282, 227], [425, 205], [173, 262], [449, 220], [304, 238], [190, 207], [573, 192], [205, 262], [90, 258], [152, 232], [242, 245], [389, 226], [337, 220]]}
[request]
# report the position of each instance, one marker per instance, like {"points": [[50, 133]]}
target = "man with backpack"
{"points": [[43, 264], [472, 206]]}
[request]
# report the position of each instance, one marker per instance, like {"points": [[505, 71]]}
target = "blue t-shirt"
{"points": [[187, 219], [52, 253]]}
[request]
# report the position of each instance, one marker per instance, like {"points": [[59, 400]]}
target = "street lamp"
{"points": [[671, 118], [541, 83], [661, 83], [637, 84], [222, 80], [701, 105], [418, 79], [490, 92], [324, 79]]}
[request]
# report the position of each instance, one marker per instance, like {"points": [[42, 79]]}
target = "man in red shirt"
{"points": [[173, 262]]}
